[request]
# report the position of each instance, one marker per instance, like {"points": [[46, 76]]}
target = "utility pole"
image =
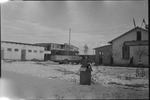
{"points": [[68, 48], [69, 37]]}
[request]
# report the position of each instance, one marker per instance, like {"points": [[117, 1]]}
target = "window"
{"points": [[8, 49], [100, 53], [35, 51], [41, 51], [126, 52], [138, 35], [29, 50], [47, 48], [61, 46], [57, 45], [16, 50]]}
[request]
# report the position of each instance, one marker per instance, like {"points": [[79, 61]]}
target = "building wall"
{"points": [[106, 58], [105, 53], [97, 57], [118, 43], [16, 55]]}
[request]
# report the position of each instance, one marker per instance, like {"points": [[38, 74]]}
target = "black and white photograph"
{"points": [[74, 49]]}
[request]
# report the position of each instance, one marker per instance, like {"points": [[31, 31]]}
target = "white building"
{"points": [[21, 51], [131, 44]]}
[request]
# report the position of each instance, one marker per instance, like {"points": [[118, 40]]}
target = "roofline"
{"points": [[21, 43], [70, 44], [53, 43], [127, 32], [46, 43], [86, 55]]}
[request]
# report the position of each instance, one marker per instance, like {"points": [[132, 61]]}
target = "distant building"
{"points": [[58, 49], [133, 43], [91, 58], [103, 55], [21, 51]]}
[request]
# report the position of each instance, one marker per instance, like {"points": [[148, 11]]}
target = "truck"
{"points": [[66, 59]]}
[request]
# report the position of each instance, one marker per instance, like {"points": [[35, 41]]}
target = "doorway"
{"points": [[100, 58], [23, 55]]}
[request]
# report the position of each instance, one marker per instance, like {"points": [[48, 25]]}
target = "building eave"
{"points": [[136, 43]]}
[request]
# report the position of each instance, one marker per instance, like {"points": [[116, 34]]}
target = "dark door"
{"points": [[23, 54], [2, 54], [100, 59]]}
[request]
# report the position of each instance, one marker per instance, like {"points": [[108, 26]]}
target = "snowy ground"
{"points": [[107, 82]]}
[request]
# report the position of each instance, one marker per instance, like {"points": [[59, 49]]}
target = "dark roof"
{"points": [[21, 43], [103, 47], [47, 44], [43, 44], [127, 33]]}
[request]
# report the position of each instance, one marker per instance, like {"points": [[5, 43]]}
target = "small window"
{"points": [[41, 51], [8, 49], [138, 35], [48, 48], [57, 45], [45, 48], [35, 51], [16, 50], [29, 50], [61, 46]]}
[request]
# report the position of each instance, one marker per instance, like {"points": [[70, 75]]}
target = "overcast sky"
{"points": [[92, 22]]}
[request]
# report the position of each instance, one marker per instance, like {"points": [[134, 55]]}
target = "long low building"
{"points": [[21, 51]]}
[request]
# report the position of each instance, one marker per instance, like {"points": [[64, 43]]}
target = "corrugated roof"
{"points": [[127, 32]]}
